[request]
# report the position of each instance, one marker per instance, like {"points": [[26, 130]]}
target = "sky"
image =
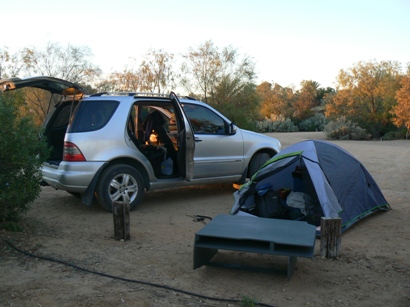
{"points": [[288, 40]]}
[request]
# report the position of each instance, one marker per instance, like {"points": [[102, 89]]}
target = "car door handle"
{"points": [[198, 139]]}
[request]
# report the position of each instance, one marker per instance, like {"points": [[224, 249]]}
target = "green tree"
{"points": [[322, 93], [367, 93], [223, 80], [242, 108], [21, 155]]}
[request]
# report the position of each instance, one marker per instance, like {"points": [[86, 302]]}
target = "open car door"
{"points": [[186, 140]]}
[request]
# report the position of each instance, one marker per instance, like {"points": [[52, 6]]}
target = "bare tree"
{"points": [[153, 74], [69, 63], [201, 70], [10, 63], [216, 76], [156, 71]]}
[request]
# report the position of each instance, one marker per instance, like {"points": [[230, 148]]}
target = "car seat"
{"points": [[155, 122]]}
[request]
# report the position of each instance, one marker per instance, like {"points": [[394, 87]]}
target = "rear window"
{"points": [[92, 115]]}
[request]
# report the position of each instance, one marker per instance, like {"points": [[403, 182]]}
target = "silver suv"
{"points": [[114, 146]]}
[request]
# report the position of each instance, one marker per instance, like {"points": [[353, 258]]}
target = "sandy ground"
{"points": [[373, 268]]}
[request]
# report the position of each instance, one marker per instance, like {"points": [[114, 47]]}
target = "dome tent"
{"points": [[335, 182]]}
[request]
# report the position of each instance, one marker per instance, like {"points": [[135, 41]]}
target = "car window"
{"points": [[203, 120], [92, 115], [62, 117]]}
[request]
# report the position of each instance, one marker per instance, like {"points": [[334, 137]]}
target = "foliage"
{"points": [[156, 71], [201, 68], [279, 125], [398, 134], [247, 301], [70, 63], [21, 155], [276, 101], [213, 75], [366, 94], [300, 105], [401, 111], [242, 108], [306, 100], [10, 63], [153, 74], [127, 80], [224, 80], [314, 123], [344, 129]]}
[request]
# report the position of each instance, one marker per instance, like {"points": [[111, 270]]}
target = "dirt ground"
{"points": [[373, 268]]}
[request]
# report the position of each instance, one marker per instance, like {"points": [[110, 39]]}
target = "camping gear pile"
{"points": [[310, 180]]}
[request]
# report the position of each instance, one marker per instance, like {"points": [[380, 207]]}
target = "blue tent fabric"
{"points": [[332, 177]]}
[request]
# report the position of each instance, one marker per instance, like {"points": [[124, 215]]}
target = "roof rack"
{"points": [[135, 94], [113, 94], [143, 94]]}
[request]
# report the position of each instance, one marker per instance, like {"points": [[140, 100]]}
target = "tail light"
{"points": [[72, 153]]}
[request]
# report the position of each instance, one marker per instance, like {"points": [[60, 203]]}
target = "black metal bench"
{"points": [[254, 235]]}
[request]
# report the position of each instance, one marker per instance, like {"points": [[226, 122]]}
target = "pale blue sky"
{"points": [[289, 41]]}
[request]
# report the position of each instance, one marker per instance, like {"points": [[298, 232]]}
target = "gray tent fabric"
{"points": [[337, 184]]}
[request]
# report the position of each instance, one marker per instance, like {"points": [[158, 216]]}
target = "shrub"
{"points": [[21, 155], [343, 129], [281, 125], [399, 134], [315, 123]]}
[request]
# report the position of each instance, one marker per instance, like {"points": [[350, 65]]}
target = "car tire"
{"points": [[119, 182], [257, 161]]}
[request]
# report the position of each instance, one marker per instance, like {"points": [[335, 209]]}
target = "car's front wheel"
{"points": [[119, 182]]}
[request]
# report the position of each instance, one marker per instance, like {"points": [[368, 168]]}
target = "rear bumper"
{"points": [[70, 176]]}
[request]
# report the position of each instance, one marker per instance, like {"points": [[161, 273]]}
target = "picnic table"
{"points": [[254, 235]]}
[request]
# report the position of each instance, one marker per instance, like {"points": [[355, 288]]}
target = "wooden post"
{"points": [[330, 237], [121, 215]]}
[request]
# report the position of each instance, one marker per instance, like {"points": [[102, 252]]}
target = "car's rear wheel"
{"points": [[257, 161], [120, 182]]}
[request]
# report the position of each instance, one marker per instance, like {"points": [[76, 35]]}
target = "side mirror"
{"points": [[231, 129]]}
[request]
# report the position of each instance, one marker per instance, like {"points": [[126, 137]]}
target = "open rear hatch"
{"points": [[53, 85], [64, 97]]}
